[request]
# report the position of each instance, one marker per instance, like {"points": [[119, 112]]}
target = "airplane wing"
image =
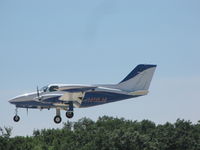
{"points": [[66, 94], [76, 93], [72, 96], [78, 89]]}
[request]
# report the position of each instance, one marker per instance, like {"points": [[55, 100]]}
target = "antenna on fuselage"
{"points": [[27, 111]]}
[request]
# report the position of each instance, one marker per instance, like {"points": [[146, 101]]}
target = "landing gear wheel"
{"points": [[57, 119], [69, 114], [16, 118]]}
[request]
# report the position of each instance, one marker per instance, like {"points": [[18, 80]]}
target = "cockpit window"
{"points": [[49, 88], [44, 89], [53, 88]]}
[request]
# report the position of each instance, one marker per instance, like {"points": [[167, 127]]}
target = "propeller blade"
{"points": [[38, 94]]}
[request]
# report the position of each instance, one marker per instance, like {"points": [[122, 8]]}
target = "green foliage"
{"points": [[6, 132], [108, 133]]}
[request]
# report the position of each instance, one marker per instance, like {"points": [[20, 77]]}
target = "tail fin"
{"points": [[139, 79]]}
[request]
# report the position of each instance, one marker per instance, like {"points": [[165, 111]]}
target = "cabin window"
{"points": [[53, 88]]}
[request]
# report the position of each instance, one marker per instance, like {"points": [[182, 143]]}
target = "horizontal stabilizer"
{"points": [[139, 93]]}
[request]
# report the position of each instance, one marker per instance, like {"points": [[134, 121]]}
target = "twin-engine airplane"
{"points": [[67, 97]]}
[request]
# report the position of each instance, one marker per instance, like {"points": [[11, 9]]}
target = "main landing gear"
{"points": [[57, 118], [69, 113], [16, 118]]}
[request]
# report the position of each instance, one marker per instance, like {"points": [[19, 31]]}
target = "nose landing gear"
{"points": [[16, 118]]}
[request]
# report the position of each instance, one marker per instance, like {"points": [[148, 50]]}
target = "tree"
{"points": [[6, 132], [108, 133]]}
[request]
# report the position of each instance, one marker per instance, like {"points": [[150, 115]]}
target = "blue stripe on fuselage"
{"points": [[92, 98], [43, 103], [98, 98], [53, 100], [32, 104]]}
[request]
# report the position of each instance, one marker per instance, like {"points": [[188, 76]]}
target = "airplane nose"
{"points": [[22, 98], [15, 100], [12, 101]]}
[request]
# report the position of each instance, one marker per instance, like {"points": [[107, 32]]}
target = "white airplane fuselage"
{"points": [[67, 97], [95, 95]]}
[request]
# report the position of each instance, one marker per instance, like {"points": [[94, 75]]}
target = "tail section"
{"points": [[139, 79]]}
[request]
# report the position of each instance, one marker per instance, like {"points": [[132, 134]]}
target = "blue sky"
{"points": [[91, 42]]}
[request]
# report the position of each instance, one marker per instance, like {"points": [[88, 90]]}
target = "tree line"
{"points": [[108, 133]]}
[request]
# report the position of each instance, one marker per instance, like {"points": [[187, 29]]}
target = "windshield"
{"points": [[44, 89]]}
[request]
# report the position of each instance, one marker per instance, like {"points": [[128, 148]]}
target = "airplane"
{"points": [[67, 97]]}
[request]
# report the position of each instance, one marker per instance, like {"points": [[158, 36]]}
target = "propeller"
{"points": [[38, 94]]}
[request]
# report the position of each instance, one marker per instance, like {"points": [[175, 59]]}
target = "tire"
{"points": [[57, 119], [69, 114], [16, 118]]}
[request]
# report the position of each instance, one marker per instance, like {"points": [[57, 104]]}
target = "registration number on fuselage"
{"points": [[97, 99]]}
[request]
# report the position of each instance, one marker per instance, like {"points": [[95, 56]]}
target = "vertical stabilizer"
{"points": [[139, 79]]}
